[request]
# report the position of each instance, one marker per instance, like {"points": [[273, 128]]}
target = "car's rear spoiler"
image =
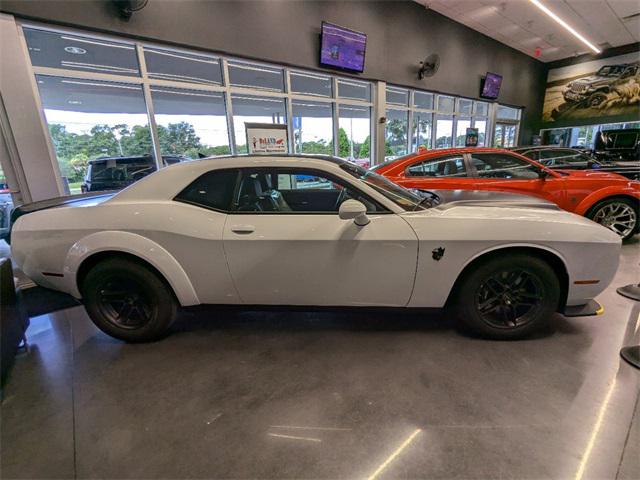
{"points": [[55, 202]]}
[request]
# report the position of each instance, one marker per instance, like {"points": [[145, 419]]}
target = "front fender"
{"points": [[603, 193], [132, 244]]}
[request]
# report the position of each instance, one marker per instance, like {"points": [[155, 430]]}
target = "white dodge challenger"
{"points": [[287, 230]]}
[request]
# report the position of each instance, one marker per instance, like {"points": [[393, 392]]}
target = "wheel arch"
{"points": [[553, 258], [97, 247], [588, 204]]}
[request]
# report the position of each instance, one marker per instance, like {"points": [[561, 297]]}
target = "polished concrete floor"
{"points": [[321, 395]]}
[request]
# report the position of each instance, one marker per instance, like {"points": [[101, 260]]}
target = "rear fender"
{"points": [[133, 244]]}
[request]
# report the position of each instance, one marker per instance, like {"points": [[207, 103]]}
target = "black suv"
{"points": [[592, 90], [115, 173], [572, 159], [620, 144]]}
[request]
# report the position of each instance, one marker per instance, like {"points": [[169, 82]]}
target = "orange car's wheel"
{"points": [[620, 215]]}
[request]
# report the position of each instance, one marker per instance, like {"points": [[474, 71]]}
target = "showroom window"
{"points": [[312, 127], [89, 120], [310, 84], [182, 67], [505, 133], [354, 134], [190, 104], [79, 53], [254, 109], [190, 123], [255, 75], [396, 131]]}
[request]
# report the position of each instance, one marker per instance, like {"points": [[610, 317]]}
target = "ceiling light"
{"points": [[565, 25], [75, 50], [74, 102]]}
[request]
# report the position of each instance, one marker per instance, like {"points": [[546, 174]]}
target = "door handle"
{"points": [[243, 229]]}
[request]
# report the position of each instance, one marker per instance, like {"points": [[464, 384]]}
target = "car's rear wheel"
{"points": [[128, 301], [507, 297], [619, 215]]}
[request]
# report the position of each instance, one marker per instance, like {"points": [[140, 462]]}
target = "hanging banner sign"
{"points": [[471, 139], [266, 138]]}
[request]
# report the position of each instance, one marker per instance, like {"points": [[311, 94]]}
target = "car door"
{"points": [[447, 172], [509, 173], [286, 245]]}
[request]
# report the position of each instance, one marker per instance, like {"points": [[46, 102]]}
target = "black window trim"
{"points": [[208, 207], [284, 169]]}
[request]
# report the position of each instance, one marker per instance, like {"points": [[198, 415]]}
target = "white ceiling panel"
{"points": [[521, 25]]}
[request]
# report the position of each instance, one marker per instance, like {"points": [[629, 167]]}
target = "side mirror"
{"points": [[353, 209], [543, 174]]}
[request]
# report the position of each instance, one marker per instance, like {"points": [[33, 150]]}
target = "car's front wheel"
{"points": [[128, 301], [619, 215], [507, 297]]}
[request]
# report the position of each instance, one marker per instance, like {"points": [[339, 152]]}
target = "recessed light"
{"points": [[75, 50], [74, 102]]}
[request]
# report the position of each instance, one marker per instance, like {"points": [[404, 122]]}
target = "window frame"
{"points": [[307, 170]]}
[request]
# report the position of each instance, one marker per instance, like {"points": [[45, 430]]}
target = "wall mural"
{"points": [[590, 91]]}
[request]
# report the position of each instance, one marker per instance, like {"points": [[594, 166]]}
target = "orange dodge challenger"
{"points": [[606, 198]]}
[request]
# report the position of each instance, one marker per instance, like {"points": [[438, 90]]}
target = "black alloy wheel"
{"points": [[510, 298], [507, 296], [128, 300], [125, 303]]}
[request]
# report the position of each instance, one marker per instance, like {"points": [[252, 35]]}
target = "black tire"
{"points": [[128, 301], [598, 213], [537, 279], [596, 99]]}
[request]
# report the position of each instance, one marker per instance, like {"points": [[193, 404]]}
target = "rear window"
{"points": [[212, 190], [120, 171]]}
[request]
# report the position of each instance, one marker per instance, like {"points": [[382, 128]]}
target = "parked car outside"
{"points": [[574, 159], [243, 232], [618, 144], [6, 205], [116, 173], [606, 198], [593, 89]]}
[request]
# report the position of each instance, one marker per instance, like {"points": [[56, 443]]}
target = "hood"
{"points": [[483, 198], [595, 174], [588, 80]]}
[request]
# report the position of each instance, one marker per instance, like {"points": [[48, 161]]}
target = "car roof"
{"points": [[425, 154]]}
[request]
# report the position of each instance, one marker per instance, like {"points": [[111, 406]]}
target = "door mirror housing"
{"points": [[543, 174], [354, 210]]}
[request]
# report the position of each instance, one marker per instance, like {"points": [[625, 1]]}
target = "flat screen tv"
{"points": [[491, 86], [342, 48]]}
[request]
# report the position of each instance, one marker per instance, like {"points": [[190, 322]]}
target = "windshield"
{"points": [[407, 199], [610, 71]]}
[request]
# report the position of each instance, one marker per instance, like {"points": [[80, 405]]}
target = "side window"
{"points": [[212, 190], [496, 165], [439, 167], [532, 154], [295, 191]]}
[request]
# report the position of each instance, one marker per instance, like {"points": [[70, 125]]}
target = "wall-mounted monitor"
{"points": [[491, 86], [342, 48]]}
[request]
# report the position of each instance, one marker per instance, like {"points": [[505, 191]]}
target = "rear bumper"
{"points": [[588, 309]]}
